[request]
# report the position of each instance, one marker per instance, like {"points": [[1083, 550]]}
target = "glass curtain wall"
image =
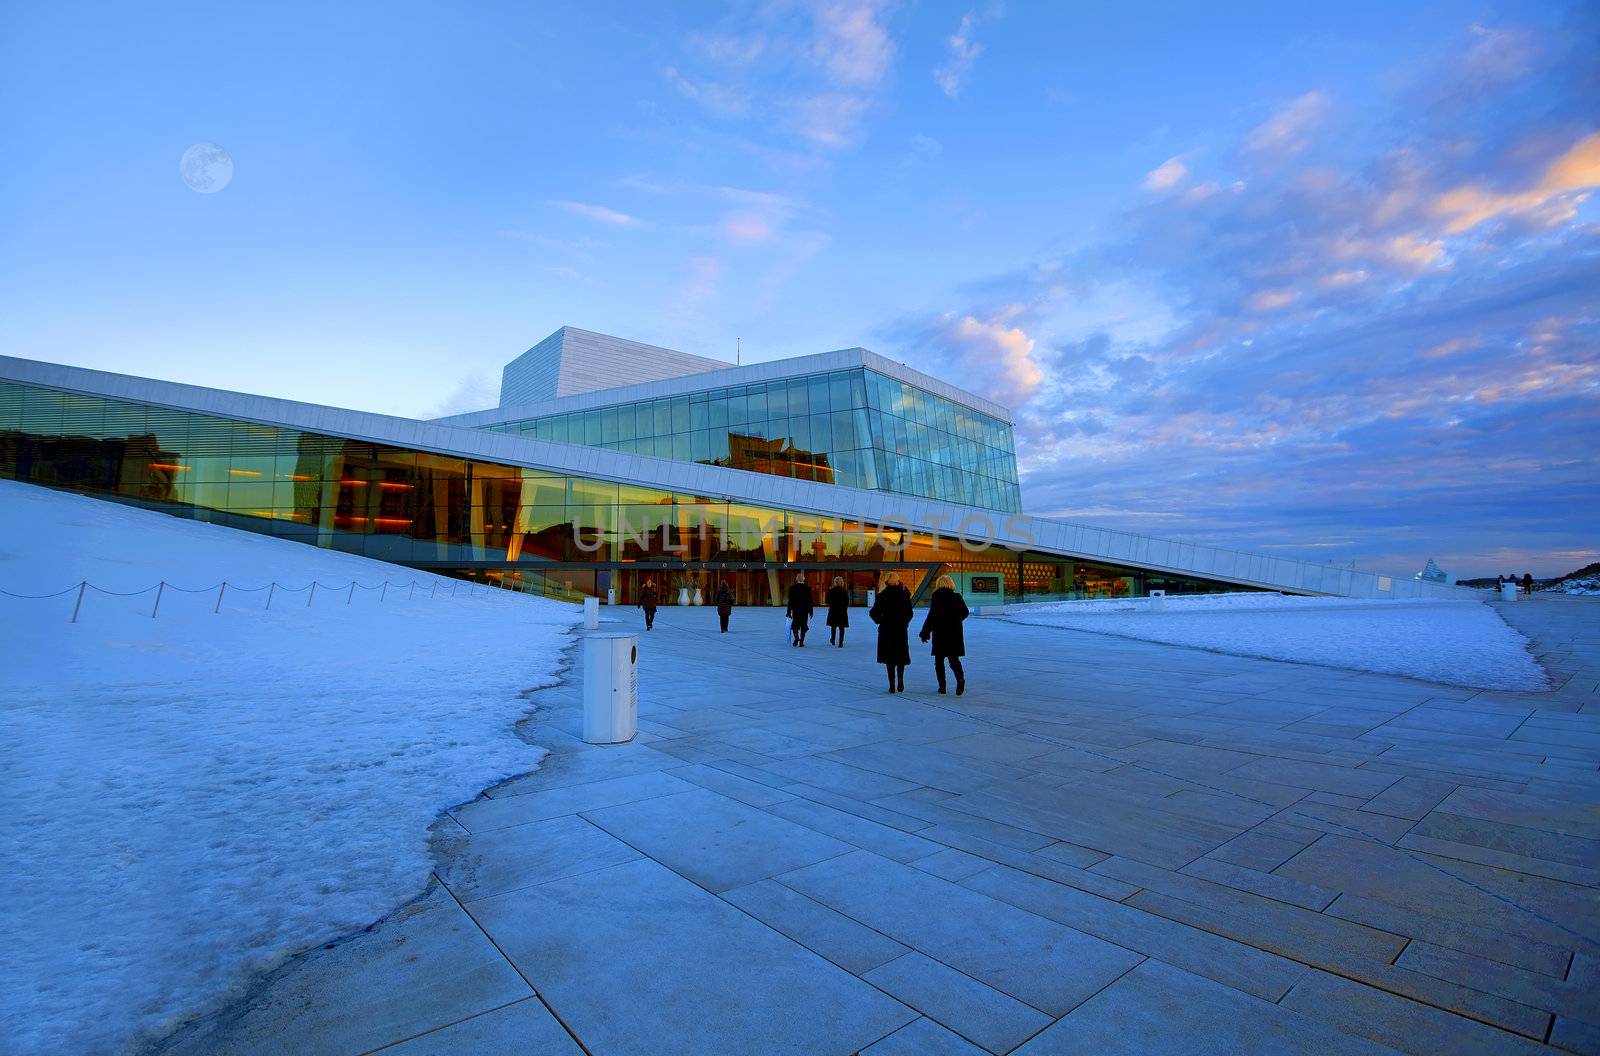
{"points": [[537, 529], [853, 427]]}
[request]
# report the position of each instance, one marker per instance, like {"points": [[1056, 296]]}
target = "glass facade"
{"points": [[535, 529], [853, 427]]}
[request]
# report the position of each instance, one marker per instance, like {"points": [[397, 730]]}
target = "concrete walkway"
{"points": [[1104, 846]]}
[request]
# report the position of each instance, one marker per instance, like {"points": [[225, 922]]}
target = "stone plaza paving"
{"points": [[1105, 846]]}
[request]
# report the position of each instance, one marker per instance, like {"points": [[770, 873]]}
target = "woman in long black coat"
{"points": [[891, 611], [838, 611], [800, 609], [724, 604], [946, 610]]}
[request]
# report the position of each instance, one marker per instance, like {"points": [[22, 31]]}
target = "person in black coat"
{"points": [[647, 602], [838, 611], [891, 611], [800, 608], [724, 604], [946, 610]]}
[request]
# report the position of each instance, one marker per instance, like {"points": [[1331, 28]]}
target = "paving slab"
{"points": [[717, 842], [500, 860], [1223, 960], [482, 815], [523, 1029], [1156, 1008], [978, 1013], [852, 946], [923, 1037], [1398, 1022], [638, 960], [1035, 960], [426, 967]]}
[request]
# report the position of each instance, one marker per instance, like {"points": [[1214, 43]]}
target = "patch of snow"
{"points": [[1463, 643], [192, 798]]}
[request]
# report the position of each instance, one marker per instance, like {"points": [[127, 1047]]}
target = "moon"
{"points": [[206, 168]]}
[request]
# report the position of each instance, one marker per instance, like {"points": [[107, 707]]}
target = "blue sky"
{"points": [[1317, 280]]}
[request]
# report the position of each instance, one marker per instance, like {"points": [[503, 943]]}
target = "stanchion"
{"points": [[352, 596], [313, 596], [220, 591], [271, 587], [161, 587], [79, 604]]}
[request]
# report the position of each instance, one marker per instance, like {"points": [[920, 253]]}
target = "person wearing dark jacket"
{"points": [[891, 611], [724, 604], [647, 602], [946, 610], [800, 608], [838, 611]]}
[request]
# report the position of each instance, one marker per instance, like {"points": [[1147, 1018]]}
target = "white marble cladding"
{"points": [[722, 377], [1061, 538], [572, 361]]}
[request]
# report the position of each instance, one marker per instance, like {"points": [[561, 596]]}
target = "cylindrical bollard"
{"points": [[591, 613], [610, 688], [1158, 601]]}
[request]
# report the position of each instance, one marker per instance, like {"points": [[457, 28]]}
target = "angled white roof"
{"points": [[571, 361], [723, 376], [830, 500]]}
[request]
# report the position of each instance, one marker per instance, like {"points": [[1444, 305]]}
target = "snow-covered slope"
{"points": [[1461, 643], [193, 797]]}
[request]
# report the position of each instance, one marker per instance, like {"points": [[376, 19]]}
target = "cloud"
{"points": [[1357, 359], [832, 119], [851, 43], [599, 213], [1270, 300], [1167, 175], [472, 393], [718, 98], [951, 75], [1553, 199], [1288, 131], [731, 49]]}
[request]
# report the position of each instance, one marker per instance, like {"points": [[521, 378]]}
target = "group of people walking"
{"points": [[802, 605], [891, 610]]}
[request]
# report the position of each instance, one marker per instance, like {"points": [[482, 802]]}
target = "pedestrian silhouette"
{"points": [[838, 611], [891, 611], [946, 610], [799, 611], [647, 602], [724, 604]]}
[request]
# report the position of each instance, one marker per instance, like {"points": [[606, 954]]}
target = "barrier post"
{"points": [[352, 596], [157, 606], [413, 592], [385, 592], [79, 604], [220, 591], [313, 596], [270, 588]]}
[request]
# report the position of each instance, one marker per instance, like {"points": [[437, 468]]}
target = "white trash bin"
{"points": [[1508, 591], [1158, 601], [610, 688]]}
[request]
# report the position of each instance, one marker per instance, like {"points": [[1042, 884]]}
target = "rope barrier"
{"points": [[81, 589], [39, 597]]}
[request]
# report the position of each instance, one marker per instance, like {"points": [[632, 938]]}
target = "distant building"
{"points": [[609, 462]]}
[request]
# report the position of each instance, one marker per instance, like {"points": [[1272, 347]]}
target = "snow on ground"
{"points": [[1463, 643], [192, 798]]}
